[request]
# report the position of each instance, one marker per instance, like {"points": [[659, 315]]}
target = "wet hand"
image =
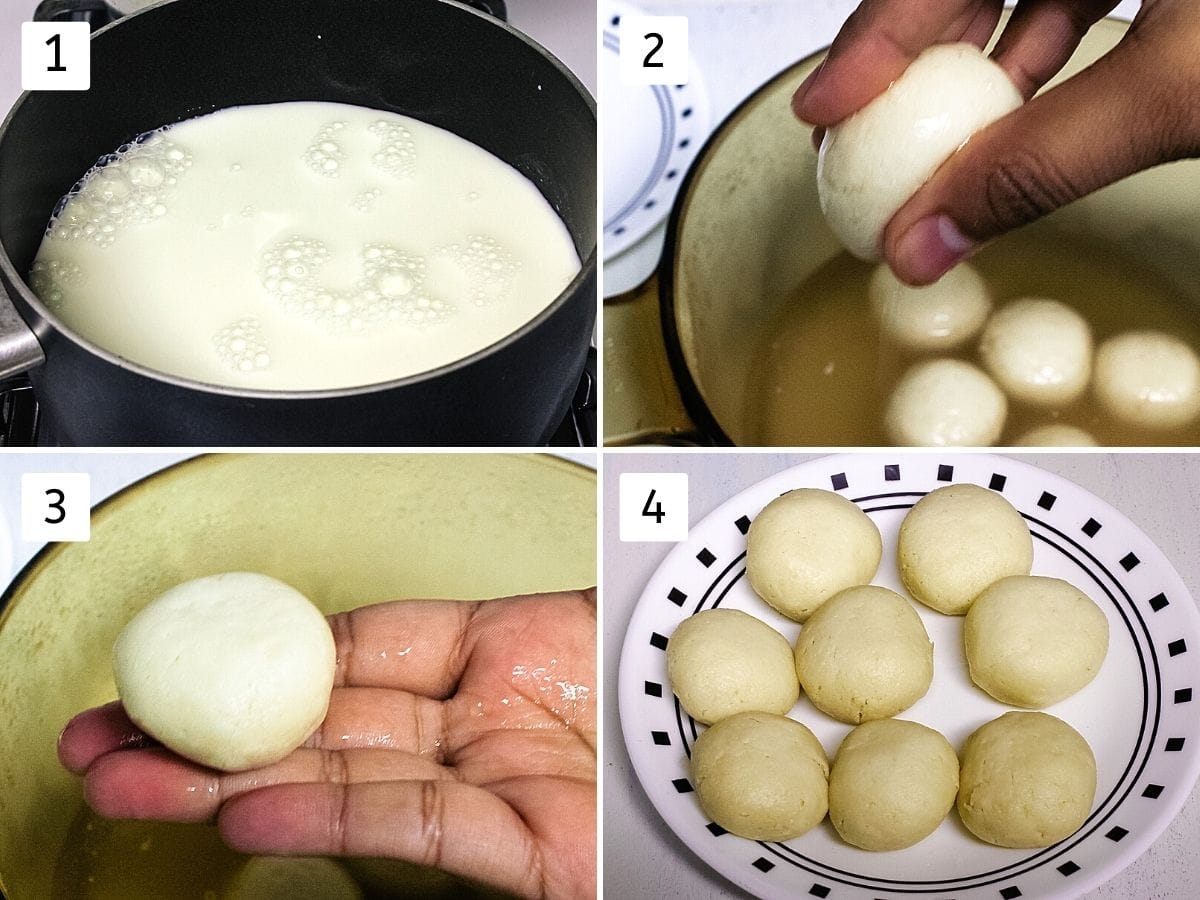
{"points": [[460, 735]]}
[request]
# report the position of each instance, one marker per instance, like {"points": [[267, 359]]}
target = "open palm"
{"points": [[459, 735]]}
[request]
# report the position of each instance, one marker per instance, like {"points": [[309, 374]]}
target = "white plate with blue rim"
{"points": [[651, 135], [1139, 714]]}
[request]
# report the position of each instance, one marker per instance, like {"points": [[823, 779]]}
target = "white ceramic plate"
{"points": [[1139, 714], [651, 135]]}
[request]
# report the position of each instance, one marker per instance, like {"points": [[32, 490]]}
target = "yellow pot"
{"points": [[345, 529]]}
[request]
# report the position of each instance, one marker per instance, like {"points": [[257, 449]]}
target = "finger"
{"points": [[459, 828], [158, 785], [876, 45], [408, 645], [95, 732], [382, 719], [1041, 36], [1127, 112]]}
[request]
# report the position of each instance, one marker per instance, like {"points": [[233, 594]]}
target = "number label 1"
{"points": [[653, 506], [56, 506], [653, 49], [56, 56]]}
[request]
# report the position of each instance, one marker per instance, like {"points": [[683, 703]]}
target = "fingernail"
{"points": [[806, 87], [931, 248]]}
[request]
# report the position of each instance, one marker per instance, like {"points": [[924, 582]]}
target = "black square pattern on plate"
{"points": [[653, 689], [1129, 561], [716, 830], [891, 472], [839, 481], [763, 864], [1046, 501], [945, 472], [682, 785], [1176, 647], [658, 641], [1183, 695], [743, 524], [1158, 601], [1010, 893], [677, 596], [1174, 745], [997, 484], [1116, 833], [819, 890], [1153, 791], [1090, 527], [661, 738], [1068, 868], [706, 558]]}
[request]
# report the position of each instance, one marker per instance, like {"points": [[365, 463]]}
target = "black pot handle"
{"points": [[495, 8], [98, 13]]}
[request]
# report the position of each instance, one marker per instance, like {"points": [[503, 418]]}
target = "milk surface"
{"points": [[300, 246]]}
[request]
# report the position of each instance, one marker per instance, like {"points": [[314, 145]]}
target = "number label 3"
{"points": [[56, 56], [56, 506], [653, 49], [653, 506]]}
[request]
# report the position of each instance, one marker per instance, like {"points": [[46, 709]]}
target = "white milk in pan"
{"points": [[298, 246]]}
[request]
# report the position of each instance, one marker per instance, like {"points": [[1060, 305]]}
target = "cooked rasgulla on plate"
{"points": [[807, 545]]}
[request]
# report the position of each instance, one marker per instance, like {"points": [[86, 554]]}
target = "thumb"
{"points": [[1131, 110]]}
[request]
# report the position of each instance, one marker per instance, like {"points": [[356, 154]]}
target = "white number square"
{"points": [[653, 506], [56, 56], [654, 50], [56, 506]]}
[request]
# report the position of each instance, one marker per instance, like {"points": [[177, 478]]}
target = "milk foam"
{"points": [[299, 246]]}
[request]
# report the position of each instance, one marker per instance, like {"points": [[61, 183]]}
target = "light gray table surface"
{"points": [[1160, 493]]}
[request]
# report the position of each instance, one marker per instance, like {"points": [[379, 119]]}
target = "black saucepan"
{"points": [[436, 60]]}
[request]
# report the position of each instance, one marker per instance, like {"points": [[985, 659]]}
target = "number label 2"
{"points": [[652, 49], [653, 37]]}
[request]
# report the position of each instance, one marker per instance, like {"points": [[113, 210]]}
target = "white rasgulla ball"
{"points": [[1055, 435], [232, 671], [1039, 351], [945, 403], [873, 161], [1148, 378], [938, 318]]}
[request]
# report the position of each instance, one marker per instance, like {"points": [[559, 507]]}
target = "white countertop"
{"points": [[1160, 493]]}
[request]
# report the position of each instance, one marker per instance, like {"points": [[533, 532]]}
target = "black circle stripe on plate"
{"points": [[789, 855]]}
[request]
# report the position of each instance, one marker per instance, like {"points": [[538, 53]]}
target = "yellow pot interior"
{"points": [[345, 529]]}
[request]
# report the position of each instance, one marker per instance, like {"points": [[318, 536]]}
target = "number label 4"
{"points": [[653, 506]]}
